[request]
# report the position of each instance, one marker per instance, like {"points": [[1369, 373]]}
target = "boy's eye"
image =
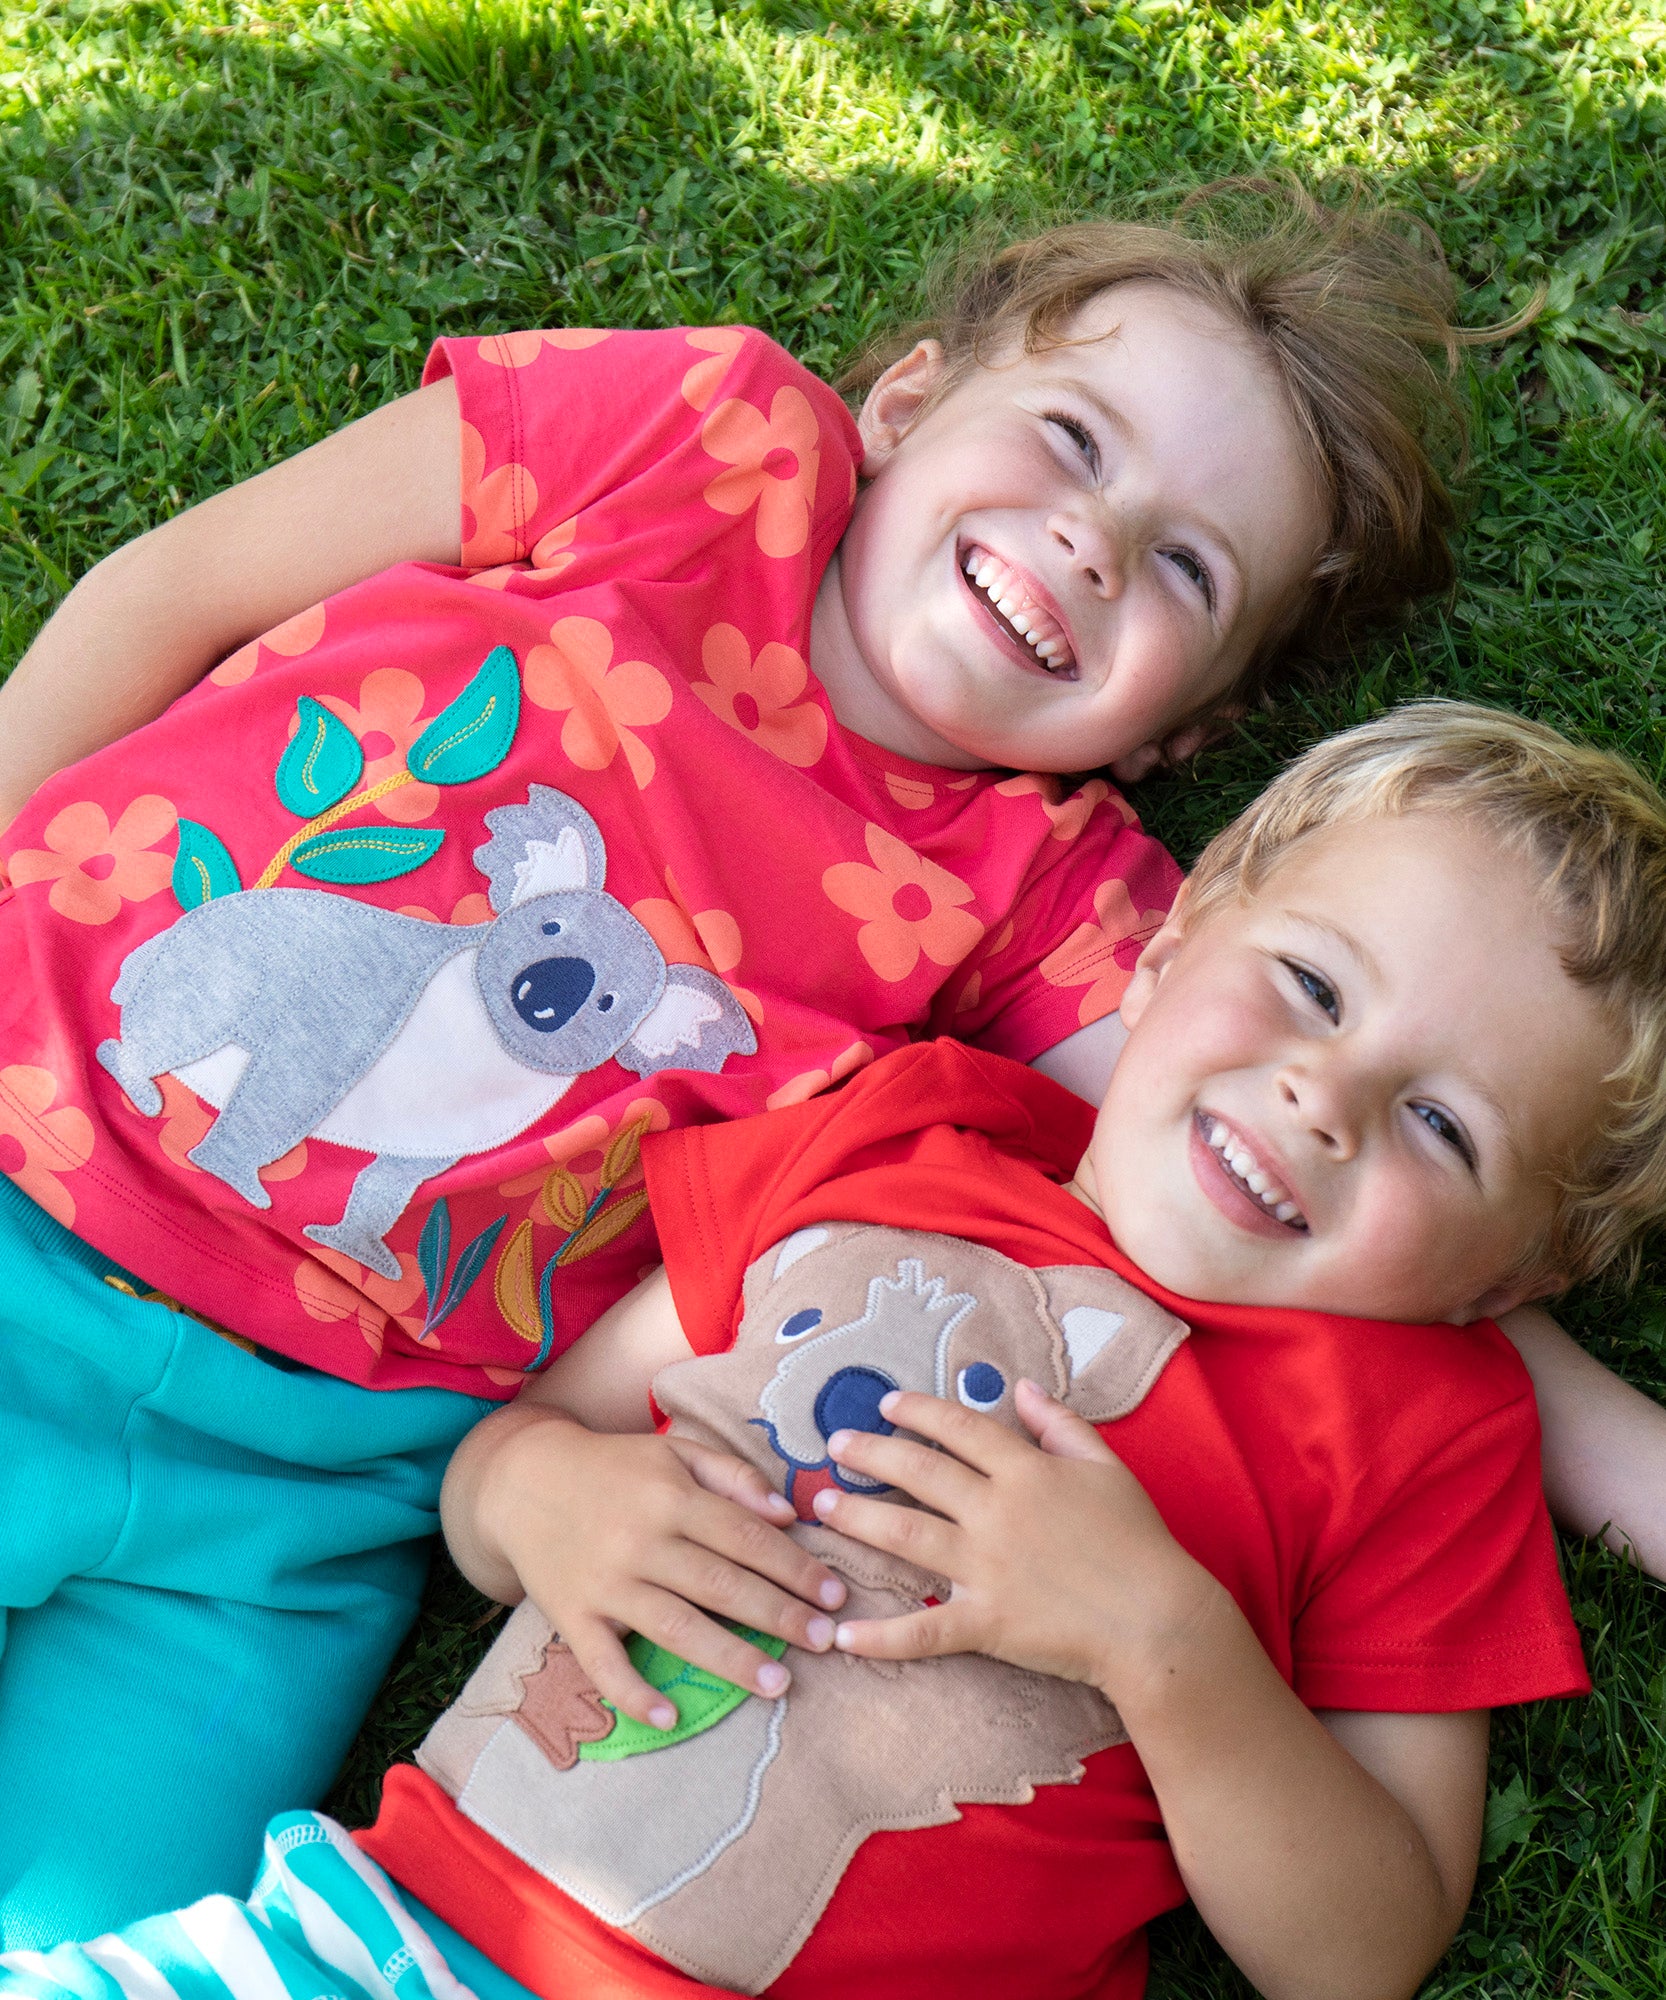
{"points": [[1446, 1128], [1318, 990], [1194, 571], [1079, 435]]}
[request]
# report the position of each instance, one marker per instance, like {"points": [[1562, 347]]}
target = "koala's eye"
{"points": [[981, 1386], [806, 1320], [550, 930], [605, 1004]]}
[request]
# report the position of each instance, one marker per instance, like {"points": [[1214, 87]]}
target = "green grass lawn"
{"points": [[227, 229]]}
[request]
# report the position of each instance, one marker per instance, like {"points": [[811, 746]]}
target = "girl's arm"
{"points": [[1333, 1858], [1604, 1442], [148, 622]]}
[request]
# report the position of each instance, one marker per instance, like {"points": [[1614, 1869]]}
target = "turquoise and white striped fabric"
{"points": [[322, 1923]]}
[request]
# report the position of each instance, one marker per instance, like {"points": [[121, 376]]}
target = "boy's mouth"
{"points": [[1010, 599], [1247, 1174]]}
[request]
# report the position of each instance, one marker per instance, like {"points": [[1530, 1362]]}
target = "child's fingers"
{"points": [[601, 1653], [731, 1478], [1059, 1432], [925, 1475], [695, 1573], [672, 1622], [917, 1635], [899, 1531], [741, 1538], [984, 1443]]}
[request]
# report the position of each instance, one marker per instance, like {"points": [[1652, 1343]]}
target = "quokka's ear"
{"points": [[1116, 1340]]}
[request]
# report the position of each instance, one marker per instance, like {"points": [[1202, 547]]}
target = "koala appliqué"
{"points": [[300, 1014]]}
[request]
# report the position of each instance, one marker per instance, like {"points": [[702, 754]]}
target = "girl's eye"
{"points": [[1194, 571], [1079, 435], [1319, 991], [1446, 1128]]}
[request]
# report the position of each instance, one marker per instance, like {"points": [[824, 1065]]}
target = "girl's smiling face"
{"points": [[1356, 1090], [1070, 553]]}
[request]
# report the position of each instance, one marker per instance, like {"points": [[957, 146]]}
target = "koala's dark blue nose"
{"points": [[849, 1401], [547, 995]]}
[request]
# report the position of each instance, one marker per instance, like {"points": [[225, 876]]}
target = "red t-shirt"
{"points": [[1368, 1492], [304, 874]]}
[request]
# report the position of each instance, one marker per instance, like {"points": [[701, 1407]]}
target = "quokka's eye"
{"points": [[981, 1386], [795, 1325]]}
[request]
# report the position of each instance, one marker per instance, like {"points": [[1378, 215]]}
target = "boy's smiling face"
{"points": [[1353, 1090], [1069, 553]]}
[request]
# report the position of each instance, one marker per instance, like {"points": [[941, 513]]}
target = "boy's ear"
{"points": [[1529, 1290], [893, 404], [1153, 961]]}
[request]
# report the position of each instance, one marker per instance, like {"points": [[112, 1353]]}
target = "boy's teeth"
{"points": [[1250, 1173], [1286, 1210]]}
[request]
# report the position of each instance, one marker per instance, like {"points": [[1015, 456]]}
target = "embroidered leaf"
{"points": [[546, 1319], [619, 1161], [470, 1264], [613, 1221], [702, 1699], [434, 1251], [563, 1198], [515, 1286], [202, 867], [351, 854], [322, 763], [471, 735]]}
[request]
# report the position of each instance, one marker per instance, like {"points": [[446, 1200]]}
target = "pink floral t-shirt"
{"points": [[339, 998]]}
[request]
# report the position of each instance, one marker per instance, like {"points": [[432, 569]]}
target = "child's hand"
{"points": [[611, 1534], [1059, 1561]]}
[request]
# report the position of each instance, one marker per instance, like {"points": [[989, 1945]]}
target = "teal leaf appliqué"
{"points": [[354, 854], [202, 867], [322, 763], [471, 735], [434, 1254]]}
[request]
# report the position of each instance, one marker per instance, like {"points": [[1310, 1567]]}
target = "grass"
{"points": [[226, 229]]}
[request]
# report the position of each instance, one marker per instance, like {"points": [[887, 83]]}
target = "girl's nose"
{"points": [[1094, 549]]}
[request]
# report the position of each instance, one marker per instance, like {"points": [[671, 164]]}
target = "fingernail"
{"points": [[888, 1402], [663, 1716], [837, 1442], [824, 1503], [780, 1504], [772, 1678], [842, 1637], [819, 1632], [832, 1592]]}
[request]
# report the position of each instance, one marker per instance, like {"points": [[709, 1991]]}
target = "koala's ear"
{"points": [[1116, 1340], [549, 843], [696, 1023]]}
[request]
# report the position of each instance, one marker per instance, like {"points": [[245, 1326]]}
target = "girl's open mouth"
{"points": [[1007, 597]]}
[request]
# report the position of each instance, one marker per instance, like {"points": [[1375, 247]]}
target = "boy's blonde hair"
{"points": [[1351, 307], [1593, 829]]}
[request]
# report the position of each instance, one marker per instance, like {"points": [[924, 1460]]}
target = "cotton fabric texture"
{"points": [[1368, 1492], [292, 1027]]}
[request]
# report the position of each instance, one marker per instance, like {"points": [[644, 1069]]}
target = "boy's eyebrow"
{"points": [[1349, 943]]}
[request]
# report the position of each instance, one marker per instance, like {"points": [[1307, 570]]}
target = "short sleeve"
{"points": [[1098, 889], [1451, 1598], [558, 421]]}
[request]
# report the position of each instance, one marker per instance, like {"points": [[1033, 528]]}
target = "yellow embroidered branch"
{"points": [[279, 861]]}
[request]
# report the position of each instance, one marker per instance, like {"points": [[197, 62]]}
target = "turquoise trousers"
{"points": [[206, 1563]]}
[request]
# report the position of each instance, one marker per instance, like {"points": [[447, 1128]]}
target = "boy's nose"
{"points": [[1320, 1097]]}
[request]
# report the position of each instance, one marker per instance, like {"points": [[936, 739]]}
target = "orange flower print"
{"points": [[473, 908], [387, 721], [185, 1121], [582, 1149], [1101, 955], [709, 938], [293, 637], [606, 703], [95, 867], [37, 1144], [908, 905], [811, 1082], [550, 556], [762, 697], [1069, 815], [496, 505], [520, 350], [331, 1287], [772, 464], [722, 343], [912, 794]]}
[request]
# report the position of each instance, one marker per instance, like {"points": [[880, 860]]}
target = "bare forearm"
{"points": [[1308, 1871], [1604, 1442]]}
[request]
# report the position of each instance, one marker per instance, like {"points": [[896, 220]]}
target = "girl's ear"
{"points": [[1176, 749], [1154, 960], [895, 401]]}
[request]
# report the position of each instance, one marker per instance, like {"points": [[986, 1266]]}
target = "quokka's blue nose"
{"points": [[849, 1401], [547, 995]]}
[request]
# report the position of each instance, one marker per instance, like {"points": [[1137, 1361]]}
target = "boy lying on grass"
{"points": [[1231, 1631]]}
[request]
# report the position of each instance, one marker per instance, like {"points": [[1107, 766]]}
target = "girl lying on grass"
{"points": [[711, 757], [1232, 1631]]}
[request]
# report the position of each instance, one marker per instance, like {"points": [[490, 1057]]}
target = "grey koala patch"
{"points": [[301, 1014]]}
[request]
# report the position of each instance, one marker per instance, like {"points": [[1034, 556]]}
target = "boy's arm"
{"points": [[566, 1496], [1604, 1442], [1331, 1859], [148, 622]]}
